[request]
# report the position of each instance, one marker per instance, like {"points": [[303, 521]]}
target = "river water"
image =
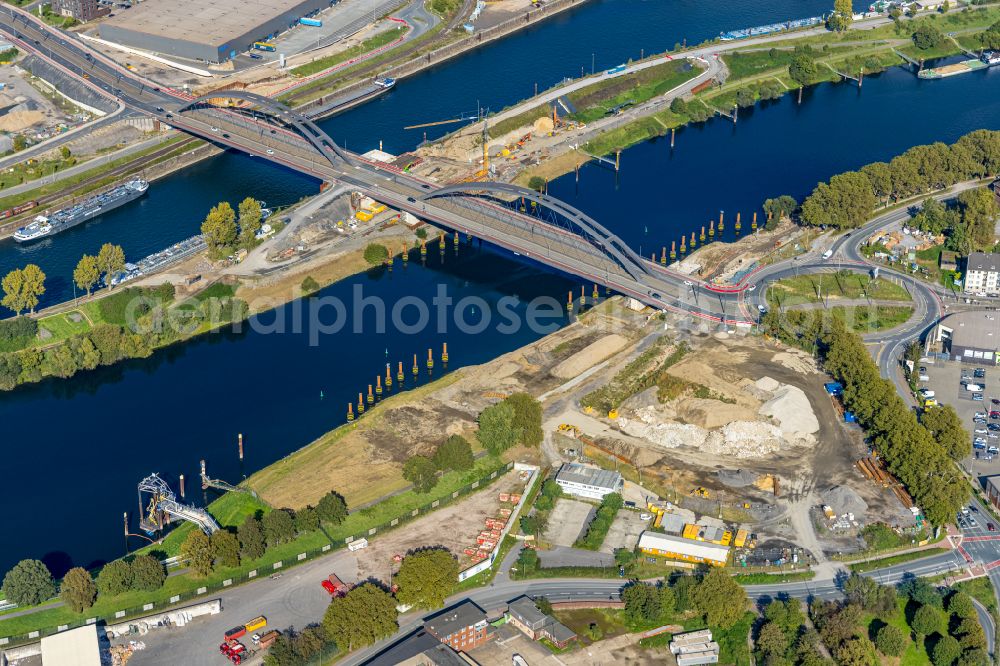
{"points": [[81, 445]]}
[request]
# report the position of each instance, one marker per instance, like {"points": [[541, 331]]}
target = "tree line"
{"points": [[29, 582], [919, 457], [849, 199], [455, 453]]}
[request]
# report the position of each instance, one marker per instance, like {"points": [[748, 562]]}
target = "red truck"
{"points": [[334, 586]]}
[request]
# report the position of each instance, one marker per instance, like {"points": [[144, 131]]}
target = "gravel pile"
{"points": [[647, 425], [790, 408], [845, 500], [737, 478], [745, 439]]}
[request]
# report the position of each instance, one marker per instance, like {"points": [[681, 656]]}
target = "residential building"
{"points": [[588, 481], [463, 627], [993, 490], [524, 614], [81, 10], [982, 273], [679, 548], [969, 337]]}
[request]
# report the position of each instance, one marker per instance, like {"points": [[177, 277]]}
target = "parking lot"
{"points": [[567, 521], [624, 532], [948, 380]]}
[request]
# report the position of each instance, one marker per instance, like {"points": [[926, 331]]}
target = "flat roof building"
{"points": [[212, 31], [679, 548], [982, 273], [76, 647], [524, 614], [970, 337], [587, 481]]}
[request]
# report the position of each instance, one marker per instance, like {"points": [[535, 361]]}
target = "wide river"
{"points": [[75, 449]]}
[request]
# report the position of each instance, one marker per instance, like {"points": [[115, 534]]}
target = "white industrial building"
{"points": [[587, 481], [679, 548]]}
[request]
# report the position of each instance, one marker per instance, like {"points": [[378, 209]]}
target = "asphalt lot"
{"points": [[624, 532], [569, 518], [945, 380]]}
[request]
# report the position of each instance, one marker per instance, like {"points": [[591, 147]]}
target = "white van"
{"points": [[828, 254], [926, 393], [973, 387]]}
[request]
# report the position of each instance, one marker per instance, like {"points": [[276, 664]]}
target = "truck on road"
{"points": [[335, 587]]}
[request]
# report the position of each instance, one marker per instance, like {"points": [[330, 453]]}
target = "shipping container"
{"points": [[236, 632], [264, 46]]}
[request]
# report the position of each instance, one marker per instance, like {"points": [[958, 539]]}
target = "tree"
{"points": [[219, 227], [13, 291], [679, 106], [115, 578], [531, 525], [843, 14], [29, 583], [110, 261], [720, 599], [65, 152], [772, 640], [309, 285], [376, 254], [278, 527], [454, 453], [306, 520], [363, 616], [970, 634], [927, 36], [197, 550], [642, 602], [332, 508], [947, 429], [845, 203], [86, 274], [20, 143], [251, 536], [890, 641], [857, 651], [496, 428], [536, 183], [802, 69], [746, 97], [426, 577], [543, 605], [78, 590], [250, 222], [979, 213], [528, 560], [148, 573], [861, 591], [926, 620], [946, 651], [527, 418], [960, 605], [421, 472], [225, 548], [33, 286], [779, 208]]}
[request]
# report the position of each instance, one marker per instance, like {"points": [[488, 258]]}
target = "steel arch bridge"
{"points": [[566, 216], [309, 130]]}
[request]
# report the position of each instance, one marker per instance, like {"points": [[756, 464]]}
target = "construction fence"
{"points": [[154, 608]]}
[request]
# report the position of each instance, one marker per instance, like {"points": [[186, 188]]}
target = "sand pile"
{"points": [[589, 356], [790, 408]]}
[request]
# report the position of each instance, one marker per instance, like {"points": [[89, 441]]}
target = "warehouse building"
{"points": [[679, 548], [211, 31], [970, 337], [587, 481]]}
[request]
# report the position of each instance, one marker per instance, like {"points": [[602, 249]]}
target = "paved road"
{"points": [[59, 139]]}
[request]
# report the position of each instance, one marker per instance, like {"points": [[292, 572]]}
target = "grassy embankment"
{"points": [[829, 288], [374, 42], [65, 184], [833, 52], [902, 558]]}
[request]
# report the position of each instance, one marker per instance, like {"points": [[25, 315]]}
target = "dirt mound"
{"points": [[708, 413], [589, 356], [790, 408], [844, 500], [797, 361], [737, 478], [647, 425]]}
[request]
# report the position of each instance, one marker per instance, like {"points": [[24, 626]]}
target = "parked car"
{"points": [[978, 397], [991, 527]]}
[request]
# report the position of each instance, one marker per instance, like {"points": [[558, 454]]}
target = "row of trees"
{"points": [[920, 458], [110, 261], [515, 420], [30, 582], [850, 198], [221, 231], [227, 548], [22, 287], [715, 595], [968, 224], [455, 453]]}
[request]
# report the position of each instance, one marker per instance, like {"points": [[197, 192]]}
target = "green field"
{"points": [[367, 46], [596, 100], [833, 286], [873, 318]]}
